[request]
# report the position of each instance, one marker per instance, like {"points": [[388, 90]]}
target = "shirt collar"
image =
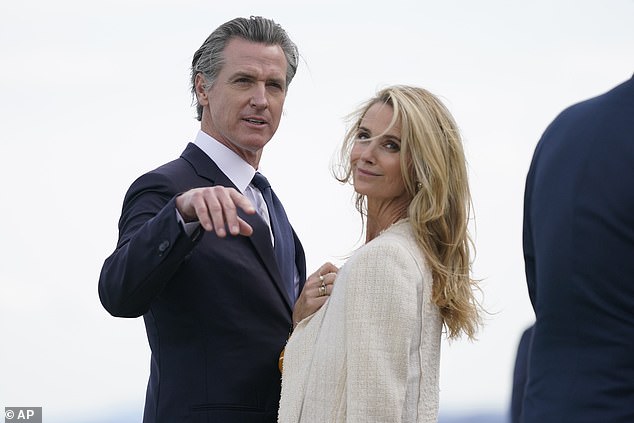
{"points": [[232, 165]]}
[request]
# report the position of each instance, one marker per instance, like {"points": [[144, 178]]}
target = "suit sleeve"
{"points": [[150, 249], [527, 235], [381, 315]]}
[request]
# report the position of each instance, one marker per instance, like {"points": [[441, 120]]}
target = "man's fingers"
{"points": [[245, 229], [236, 225], [241, 201], [216, 209], [195, 204], [223, 211]]}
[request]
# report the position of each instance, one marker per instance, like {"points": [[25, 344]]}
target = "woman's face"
{"points": [[376, 156]]}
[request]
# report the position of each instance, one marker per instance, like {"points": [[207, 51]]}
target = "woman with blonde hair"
{"points": [[372, 352]]}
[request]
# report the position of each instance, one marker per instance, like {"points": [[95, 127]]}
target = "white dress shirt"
{"points": [[237, 170]]}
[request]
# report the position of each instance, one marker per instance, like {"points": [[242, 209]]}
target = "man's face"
{"points": [[243, 107]]}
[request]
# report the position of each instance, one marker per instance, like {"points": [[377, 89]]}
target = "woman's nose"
{"points": [[367, 152]]}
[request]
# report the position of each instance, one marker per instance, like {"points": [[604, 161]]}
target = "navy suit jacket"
{"points": [[579, 256], [215, 310], [519, 375]]}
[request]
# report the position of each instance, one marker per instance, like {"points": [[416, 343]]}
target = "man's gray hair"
{"points": [[209, 59]]}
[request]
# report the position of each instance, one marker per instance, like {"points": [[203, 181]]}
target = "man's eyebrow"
{"points": [[281, 81], [242, 74]]}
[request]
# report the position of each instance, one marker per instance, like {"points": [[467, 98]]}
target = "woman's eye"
{"points": [[391, 145], [362, 135]]}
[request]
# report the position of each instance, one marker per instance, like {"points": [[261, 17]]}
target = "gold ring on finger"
{"points": [[322, 290]]}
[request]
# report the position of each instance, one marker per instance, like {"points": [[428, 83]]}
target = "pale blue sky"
{"points": [[93, 94]]}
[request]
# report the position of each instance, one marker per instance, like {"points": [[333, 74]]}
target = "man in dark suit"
{"points": [[206, 254], [579, 256], [519, 375]]}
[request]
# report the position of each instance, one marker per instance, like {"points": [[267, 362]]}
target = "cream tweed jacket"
{"points": [[372, 352]]}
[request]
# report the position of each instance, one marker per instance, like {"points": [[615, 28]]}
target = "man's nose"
{"points": [[258, 97]]}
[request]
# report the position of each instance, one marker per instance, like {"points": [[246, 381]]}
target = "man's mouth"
{"points": [[256, 121]]}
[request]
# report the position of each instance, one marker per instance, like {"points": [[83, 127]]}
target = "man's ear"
{"points": [[201, 90]]}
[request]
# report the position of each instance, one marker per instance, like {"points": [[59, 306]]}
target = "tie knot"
{"points": [[260, 182]]}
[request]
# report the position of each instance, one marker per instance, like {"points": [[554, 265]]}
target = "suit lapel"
{"points": [[261, 240], [206, 168], [300, 261]]}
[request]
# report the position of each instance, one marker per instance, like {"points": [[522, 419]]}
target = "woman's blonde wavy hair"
{"points": [[434, 171]]}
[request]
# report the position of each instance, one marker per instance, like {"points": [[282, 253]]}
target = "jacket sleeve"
{"points": [[381, 315], [527, 234], [150, 249]]}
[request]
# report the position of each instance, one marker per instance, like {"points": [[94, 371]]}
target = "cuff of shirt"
{"points": [[189, 228]]}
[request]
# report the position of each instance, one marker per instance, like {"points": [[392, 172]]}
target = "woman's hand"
{"points": [[316, 291]]}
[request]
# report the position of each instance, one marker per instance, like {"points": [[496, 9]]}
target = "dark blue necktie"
{"points": [[282, 232]]}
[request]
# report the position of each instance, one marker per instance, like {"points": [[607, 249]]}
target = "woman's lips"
{"points": [[366, 172]]}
